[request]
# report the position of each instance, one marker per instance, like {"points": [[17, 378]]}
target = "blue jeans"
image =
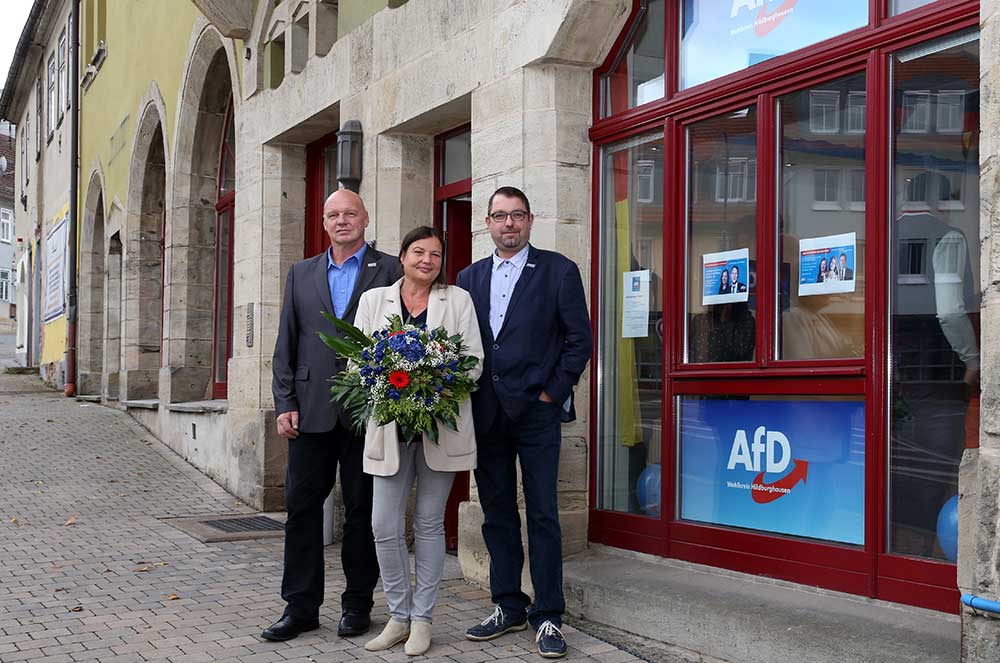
{"points": [[534, 440]]}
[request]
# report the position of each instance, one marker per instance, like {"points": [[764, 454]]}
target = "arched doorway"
{"points": [[92, 280], [144, 248], [202, 221]]}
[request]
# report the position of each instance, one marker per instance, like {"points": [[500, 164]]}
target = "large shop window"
{"points": [[722, 238], [788, 315], [821, 222], [933, 292], [631, 339]]}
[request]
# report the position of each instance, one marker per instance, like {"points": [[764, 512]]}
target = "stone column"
{"points": [[270, 208], [979, 475], [404, 187], [529, 130]]}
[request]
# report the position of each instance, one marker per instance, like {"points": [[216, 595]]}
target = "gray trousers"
{"points": [[390, 498]]}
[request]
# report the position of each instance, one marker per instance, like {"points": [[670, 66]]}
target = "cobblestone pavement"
{"points": [[90, 571]]}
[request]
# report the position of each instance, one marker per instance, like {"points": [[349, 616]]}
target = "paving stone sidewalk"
{"points": [[90, 570]]}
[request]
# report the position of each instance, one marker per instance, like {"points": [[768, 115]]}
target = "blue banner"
{"points": [[787, 466]]}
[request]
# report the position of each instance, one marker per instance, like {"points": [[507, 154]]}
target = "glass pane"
{"points": [[330, 183], [227, 178], [457, 158], [933, 291], [631, 390], [223, 312], [821, 221], [637, 76], [722, 238], [718, 38], [900, 6], [788, 464]]}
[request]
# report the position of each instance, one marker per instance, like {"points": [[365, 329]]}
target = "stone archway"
{"points": [[143, 257], [90, 351], [206, 94]]}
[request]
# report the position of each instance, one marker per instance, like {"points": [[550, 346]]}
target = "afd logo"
{"points": [[770, 452], [765, 21]]}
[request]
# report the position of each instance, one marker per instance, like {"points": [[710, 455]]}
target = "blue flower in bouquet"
{"points": [[408, 346], [393, 394]]}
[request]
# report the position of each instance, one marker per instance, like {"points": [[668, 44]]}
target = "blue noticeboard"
{"points": [[787, 466]]}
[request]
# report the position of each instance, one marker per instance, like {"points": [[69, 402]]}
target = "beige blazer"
{"points": [[449, 307]]}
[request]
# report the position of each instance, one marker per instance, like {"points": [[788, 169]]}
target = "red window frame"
{"points": [[867, 570], [225, 206], [316, 239], [442, 193]]}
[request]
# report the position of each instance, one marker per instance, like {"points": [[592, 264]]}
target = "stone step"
{"points": [[748, 619]]}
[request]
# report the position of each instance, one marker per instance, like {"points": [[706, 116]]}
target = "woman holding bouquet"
{"points": [[421, 297]]}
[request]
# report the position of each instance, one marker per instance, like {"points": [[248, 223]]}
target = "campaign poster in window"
{"points": [[827, 265], [793, 467], [725, 277]]}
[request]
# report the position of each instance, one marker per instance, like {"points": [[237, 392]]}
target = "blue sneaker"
{"points": [[496, 625], [550, 641]]}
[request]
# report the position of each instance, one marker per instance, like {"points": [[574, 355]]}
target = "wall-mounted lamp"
{"points": [[349, 147]]}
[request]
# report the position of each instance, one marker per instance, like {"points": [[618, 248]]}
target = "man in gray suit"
{"points": [[319, 433]]}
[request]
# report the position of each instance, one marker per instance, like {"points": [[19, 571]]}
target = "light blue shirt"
{"points": [[342, 278], [505, 276]]}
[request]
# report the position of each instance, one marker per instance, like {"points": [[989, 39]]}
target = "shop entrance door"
{"points": [[453, 217]]}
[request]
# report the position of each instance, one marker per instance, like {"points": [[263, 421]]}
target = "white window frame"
{"points": [[6, 225], [912, 122], [50, 100], [827, 204], [62, 93], [914, 204], [943, 126], [742, 184], [824, 99], [853, 203], [5, 285], [645, 180], [852, 115], [953, 177]]}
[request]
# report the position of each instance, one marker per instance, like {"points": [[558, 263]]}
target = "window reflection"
{"points": [[637, 76], [632, 341], [934, 286], [722, 235], [821, 221]]}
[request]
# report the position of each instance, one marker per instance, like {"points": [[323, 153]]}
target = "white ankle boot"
{"points": [[420, 639], [393, 633]]}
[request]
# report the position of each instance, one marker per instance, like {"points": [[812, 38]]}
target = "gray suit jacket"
{"points": [[303, 364]]}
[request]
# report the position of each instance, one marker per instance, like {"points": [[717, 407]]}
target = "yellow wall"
{"points": [[54, 332], [147, 41]]}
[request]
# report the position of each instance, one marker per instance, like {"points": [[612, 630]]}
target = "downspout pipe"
{"points": [[981, 604], [74, 194]]}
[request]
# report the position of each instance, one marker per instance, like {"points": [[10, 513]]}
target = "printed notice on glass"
{"points": [[635, 304], [724, 277], [827, 264]]}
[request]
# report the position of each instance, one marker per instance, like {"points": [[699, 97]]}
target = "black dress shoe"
{"points": [[288, 627], [353, 622]]}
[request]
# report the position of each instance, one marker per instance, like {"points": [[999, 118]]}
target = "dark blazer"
{"points": [[545, 342], [303, 365]]}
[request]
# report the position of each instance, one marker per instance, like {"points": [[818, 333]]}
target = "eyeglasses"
{"points": [[517, 216]]}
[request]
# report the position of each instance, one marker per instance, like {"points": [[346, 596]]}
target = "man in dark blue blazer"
{"points": [[536, 333]]}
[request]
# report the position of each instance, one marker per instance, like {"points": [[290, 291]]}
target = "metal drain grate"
{"points": [[252, 524]]}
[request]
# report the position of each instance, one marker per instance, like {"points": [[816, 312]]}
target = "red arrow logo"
{"points": [[763, 493], [767, 21]]}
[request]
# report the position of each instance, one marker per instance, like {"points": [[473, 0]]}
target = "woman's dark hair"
{"points": [[426, 232]]}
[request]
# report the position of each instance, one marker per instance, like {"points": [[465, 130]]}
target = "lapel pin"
{"points": [[371, 264], [530, 264]]}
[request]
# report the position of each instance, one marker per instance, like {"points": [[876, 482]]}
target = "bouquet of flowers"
{"points": [[403, 374]]}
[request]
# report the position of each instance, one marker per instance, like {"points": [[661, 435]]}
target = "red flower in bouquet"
{"points": [[399, 379]]}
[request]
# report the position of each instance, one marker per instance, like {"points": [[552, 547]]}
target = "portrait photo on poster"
{"points": [[827, 264], [725, 277]]}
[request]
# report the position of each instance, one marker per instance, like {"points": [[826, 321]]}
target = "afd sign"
{"points": [[786, 466]]}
